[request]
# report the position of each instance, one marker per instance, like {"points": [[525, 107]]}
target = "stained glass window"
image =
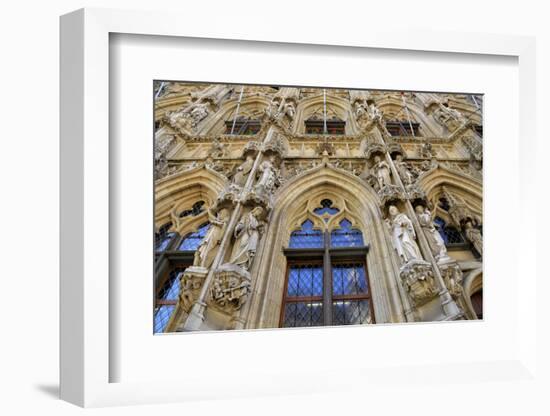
{"points": [[326, 208], [162, 242], [307, 237], [163, 237], [346, 236], [167, 298], [192, 240], [451, 236]]}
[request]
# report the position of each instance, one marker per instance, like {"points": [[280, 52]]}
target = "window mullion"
{"points": [[327, 282]]}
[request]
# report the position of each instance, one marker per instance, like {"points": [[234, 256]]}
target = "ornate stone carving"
{"points": [[418, 279], [415, 192], [452, 276], [242, 172], [247, 236], [230, 288], [448, 117], [388, 193], [190, 286], [474, 236], [325, 148], [403, 236], [268, 178], [204, 255], [435, 241], [426, 150], [217, 149], [404, 170], [382, 171]]}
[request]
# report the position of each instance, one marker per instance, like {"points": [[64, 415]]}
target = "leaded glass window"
{"points": [[350, 312], [451, 236], [167, 298], [162, 242], [326, 208], [346, 236], [192, 240], [307, 237], [304, 296], [325, 283], [349, 279], [351, 297]]}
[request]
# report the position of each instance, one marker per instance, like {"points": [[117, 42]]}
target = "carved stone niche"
{"points": [[191, 283], [227, 198], [390, 193], [452, 276], [396, 149], [414, 193], [251, 148], [374, 149], [418, 279], [230, 288]]}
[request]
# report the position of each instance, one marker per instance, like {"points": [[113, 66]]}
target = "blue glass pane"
{"points": [[293, 278], [346, 236], [326, 208], [171, 287], [162, 316], [349, 279], [192, 241], [307, 237], [306, 280], [163, 242]]}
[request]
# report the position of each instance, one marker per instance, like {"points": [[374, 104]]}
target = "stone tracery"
{"points": [[267, 186]]}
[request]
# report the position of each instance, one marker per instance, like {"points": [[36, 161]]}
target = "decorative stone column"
{"points": [[227, 286], [450, 308]]}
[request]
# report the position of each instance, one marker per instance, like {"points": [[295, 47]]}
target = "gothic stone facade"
{"points": [[279, 207]]}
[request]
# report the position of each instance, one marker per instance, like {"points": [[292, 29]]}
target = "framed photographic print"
{"points": [[294, 213]]}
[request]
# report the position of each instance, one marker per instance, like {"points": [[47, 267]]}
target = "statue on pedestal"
{"points": [[243, 170], [436, 243], [247, 237], [403, 236], [204, 255], [382, 172]]}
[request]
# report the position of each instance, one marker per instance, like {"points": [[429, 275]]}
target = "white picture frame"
{"points": [[87, 356]]}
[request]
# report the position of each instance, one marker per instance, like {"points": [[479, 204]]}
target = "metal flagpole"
{"points": [[159, 90], [325, 111], [237, 111], [408, 114]]}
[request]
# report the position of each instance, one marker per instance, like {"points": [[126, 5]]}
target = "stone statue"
{"points": [[198, 113], [247, 236], [426, 150], [436, 243], [404, 172], [243, 170], [204, 255], [217, 149], [448, 117], [268, 177], [360, 110], [403, 236], [290, 111], [474, 236], [382, 172], [374, 112], [179, 120]]}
